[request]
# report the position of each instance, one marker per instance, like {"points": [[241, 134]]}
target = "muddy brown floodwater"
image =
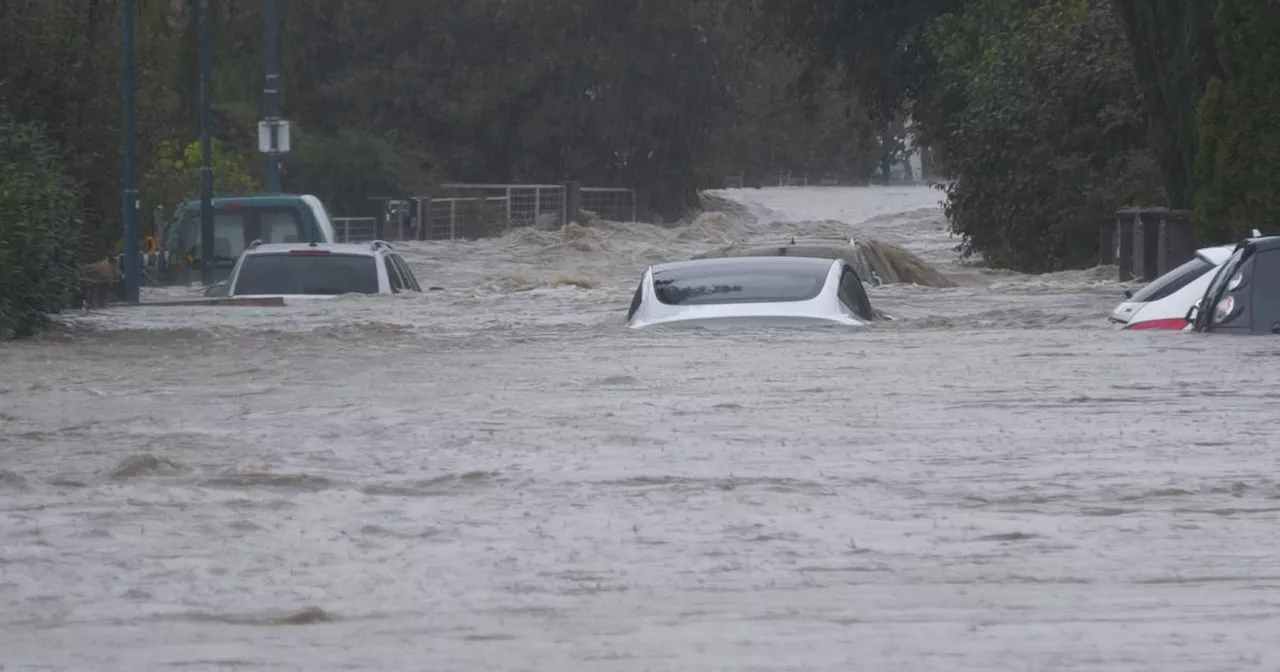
{"points": [[499, 476]]}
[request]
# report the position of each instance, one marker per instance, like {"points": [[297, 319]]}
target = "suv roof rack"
{"points": [[380, 244], [256, 242]]}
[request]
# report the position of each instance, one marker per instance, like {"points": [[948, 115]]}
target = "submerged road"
{"points": [[499, 476]]}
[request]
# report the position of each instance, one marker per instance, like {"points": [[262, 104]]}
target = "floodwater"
{"points": [[498, 476]]}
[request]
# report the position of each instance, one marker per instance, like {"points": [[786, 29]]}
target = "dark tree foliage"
{"points": [[667, 97], [1238, 164], [880, 45], [39, 226], [1174, 57], [1050, 137]]}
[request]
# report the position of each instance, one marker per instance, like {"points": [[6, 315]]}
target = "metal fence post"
{"points": [[453, 219], [346, 230], [508, 206], [425, 219], [572, 201], [537, 204]]}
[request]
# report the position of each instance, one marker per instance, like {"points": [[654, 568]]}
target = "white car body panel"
{"points": [[824, 309], [1165, 312]]}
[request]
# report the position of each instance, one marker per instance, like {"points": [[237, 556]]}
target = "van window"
{"points": [[234, 229]]}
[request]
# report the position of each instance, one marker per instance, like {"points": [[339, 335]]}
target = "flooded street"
{"points": [[499, 476]]}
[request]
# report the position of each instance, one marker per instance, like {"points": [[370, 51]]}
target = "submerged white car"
{"points": [[1163, 303], [302, 271], [745, 291]]}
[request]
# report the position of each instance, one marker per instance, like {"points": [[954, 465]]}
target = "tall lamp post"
{"points": [[132, 255], [273, 133], [206, 150]]}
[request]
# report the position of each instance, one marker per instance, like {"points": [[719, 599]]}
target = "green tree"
{"points": [[39, 230], [1174, 57], [1051, 136], [173, 174], [1238, 161]]}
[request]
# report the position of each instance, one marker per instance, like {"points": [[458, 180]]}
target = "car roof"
{"points": [[1265, 243], [363, 249], [1217, 254], [747, 265], [249, 200]]}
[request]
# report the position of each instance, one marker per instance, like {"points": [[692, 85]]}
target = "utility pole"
{"points": [[273, 101], [273, 132], [206, 150], [132, 255]]}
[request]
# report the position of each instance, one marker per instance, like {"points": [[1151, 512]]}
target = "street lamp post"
{"points": [[273, 101], [273, 132], [132, 255], [206, 150]]}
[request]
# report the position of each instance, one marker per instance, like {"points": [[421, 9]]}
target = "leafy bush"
{"points": [[1238, 163], [39, 231], [1047, 137]]}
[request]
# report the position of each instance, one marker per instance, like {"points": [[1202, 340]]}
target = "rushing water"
{"points": [[498, 476]]}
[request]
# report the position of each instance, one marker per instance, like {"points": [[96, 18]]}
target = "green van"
{"points": [[237, 222]]}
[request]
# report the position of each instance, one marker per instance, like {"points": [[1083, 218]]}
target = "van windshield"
{"points": [[309, 273]]}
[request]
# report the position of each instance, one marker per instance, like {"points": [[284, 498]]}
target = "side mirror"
{"points": [[1128, 293], [1194, 311]]}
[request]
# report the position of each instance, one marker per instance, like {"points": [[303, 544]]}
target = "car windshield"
{"points": [[694, 287], [322, 274], [1173, 281]]}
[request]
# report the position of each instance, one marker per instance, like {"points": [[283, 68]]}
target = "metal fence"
{"points": [[468, 211], [611, 204], [355, 229]]}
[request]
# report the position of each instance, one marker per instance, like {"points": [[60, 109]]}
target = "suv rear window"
{"points": [[756, 286], [286, 273], [1172, 281]]}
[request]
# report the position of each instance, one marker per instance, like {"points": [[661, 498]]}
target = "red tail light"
{"points": [[1168, 324], [308, 251]]}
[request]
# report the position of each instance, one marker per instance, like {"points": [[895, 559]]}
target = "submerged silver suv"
{"points": [[317, 270]]}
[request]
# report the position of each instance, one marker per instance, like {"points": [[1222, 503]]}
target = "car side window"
{"points": [[393, 275], [410, 281], [853, 295]]}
